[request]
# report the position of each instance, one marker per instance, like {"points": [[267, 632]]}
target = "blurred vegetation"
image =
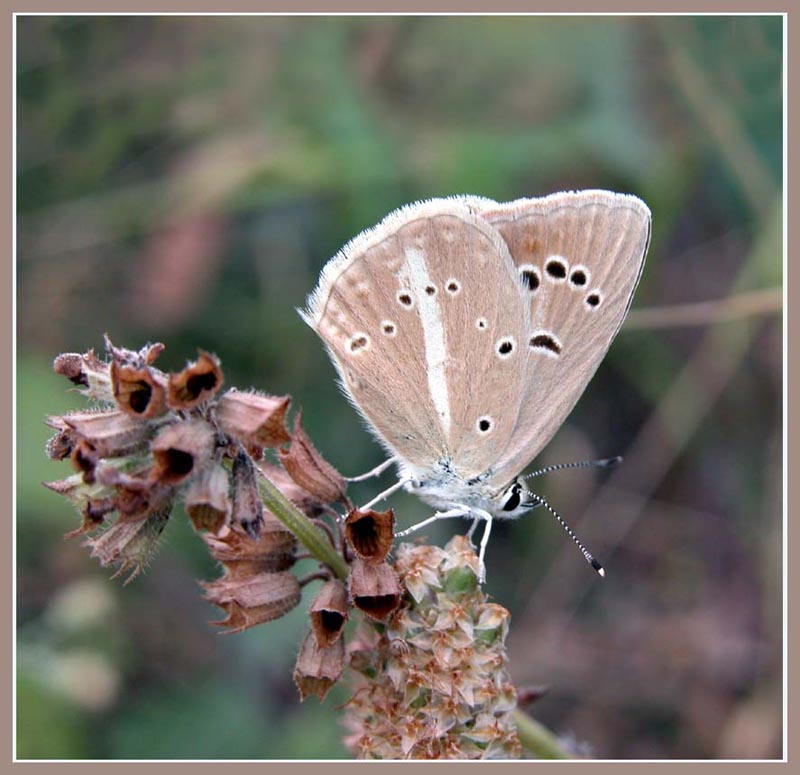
{"points": [[184, 179]]}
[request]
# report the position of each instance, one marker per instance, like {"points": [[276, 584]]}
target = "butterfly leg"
{"points": [[385, 494], [487, 517], [377, 471], [437, 516], [471, 531]]}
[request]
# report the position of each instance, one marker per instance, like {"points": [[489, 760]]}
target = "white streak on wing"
{"points": [[416, 275]]}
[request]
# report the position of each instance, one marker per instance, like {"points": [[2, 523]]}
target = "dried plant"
{"points": [[427, 657]]}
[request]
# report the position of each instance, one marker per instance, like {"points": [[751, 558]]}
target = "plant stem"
{"points": [[538, 739], [310, 536]]}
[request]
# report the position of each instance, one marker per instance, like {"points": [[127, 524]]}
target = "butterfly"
{"points": [[465, 330]]}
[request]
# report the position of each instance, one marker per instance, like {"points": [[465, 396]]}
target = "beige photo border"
{"points": [[454, 7]]}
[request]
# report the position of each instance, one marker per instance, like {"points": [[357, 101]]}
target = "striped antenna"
{"points": [[539, 501], [604, 463]]}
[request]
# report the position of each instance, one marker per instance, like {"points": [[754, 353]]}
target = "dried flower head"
{"points": [[242, 555], [435, 683]]}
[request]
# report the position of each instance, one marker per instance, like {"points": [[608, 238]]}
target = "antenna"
{"points": [[539, 501], [604, 463]]}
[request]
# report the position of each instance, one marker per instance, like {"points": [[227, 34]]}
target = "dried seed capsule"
{"points": [[255, 599], [207, 501], [374, 589], [253, 419], [370, 533], [309, 469], [329, 611], [181, 449], [317, 669], [139, 392], [243, 556], [198, 382]]}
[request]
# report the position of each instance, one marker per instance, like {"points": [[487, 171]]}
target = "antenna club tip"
{"points": [[612, 461], [598, 567]]}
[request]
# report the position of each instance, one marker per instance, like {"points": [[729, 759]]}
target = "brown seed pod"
{"points": [[329, 611], [253, 419], [317, 669], [374, 589], [370, 533], [198, 382], [309, 469], [180, 450]]}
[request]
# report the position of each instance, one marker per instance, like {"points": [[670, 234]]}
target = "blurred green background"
{"points": [[184, 180]]}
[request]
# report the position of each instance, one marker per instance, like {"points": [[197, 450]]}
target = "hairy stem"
{"points": [[310, 536]]}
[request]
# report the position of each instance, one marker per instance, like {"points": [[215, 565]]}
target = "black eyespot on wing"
{"points": [[405, 299], [578, 277], [593, 299], [545, 342], [556, 268], [430, 290], [530, 278]]}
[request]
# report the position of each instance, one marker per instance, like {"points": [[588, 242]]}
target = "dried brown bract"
{"points": [[374, 589], [254, 599], [255, 420], [318, 668], [197, 383], [86, 370], [130, 545], [111, 433], [329, 611], [242, 555], [309, 469], [304, 500], [370, 533]]}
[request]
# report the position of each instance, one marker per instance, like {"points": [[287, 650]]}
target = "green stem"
{"points": [[538, 739], [310, 536]]}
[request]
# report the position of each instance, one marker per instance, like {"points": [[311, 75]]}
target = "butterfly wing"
{"points": [[411, 313], [579, 256]]}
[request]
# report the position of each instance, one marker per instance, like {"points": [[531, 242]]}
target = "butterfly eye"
{"points": [[512, 498]]}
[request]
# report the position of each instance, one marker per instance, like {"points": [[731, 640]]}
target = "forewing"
{"points": [[399, 311], [579, 256]]}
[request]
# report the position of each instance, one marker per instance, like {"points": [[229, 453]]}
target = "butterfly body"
{"points": [[465, 330]]}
